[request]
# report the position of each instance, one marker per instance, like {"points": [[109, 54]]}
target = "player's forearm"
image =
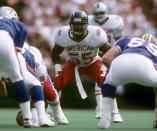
{"points": [[106, 62], [4, 89], [55, 54], [110, 55]]}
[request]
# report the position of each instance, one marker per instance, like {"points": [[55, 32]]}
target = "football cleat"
{"points": [[35, 117], [104, 122], [60, 117], [50, 114], [28, 123], [155, 124], [116, 118], [44, 121]]}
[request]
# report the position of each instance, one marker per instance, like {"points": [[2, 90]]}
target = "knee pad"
{"points": [[108, 90]]}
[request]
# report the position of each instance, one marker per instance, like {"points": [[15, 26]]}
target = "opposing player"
{"points": [[82, 43], [113, 26], [153, 39], [132, 60], [13, 34], [33, 67]]}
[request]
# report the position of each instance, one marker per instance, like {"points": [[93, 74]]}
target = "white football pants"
{"points": [[29, 79], [132, 68], [8, 59]]}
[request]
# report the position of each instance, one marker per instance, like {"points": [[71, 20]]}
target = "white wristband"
{"points": [[58, 67]]}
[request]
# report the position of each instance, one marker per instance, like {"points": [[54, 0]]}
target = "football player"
{"points": [[33, 70], [132, 60], [113, 26], [13, 35], [33, 67], [153, 39], [82, 43]]}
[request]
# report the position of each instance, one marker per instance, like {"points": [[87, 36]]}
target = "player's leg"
{"points": [[10, 65], [155, 111], [36, 91], [98, 74], [116, 117], [37, 96], [65, 76], [120, 74], [98, 96], [54, 109], [108, 92]]}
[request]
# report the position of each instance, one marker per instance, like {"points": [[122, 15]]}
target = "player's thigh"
{"points": [[132, 68], [28, 75], [9, 61], [65, 76], [120, 71], [96, 71], [150, 74]]}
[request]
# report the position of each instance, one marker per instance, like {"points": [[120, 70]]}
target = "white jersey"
{"points": [[84, 52], [113, 26], [3, 74]]}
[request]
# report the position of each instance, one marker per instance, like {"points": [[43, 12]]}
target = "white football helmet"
{"points": [[99, 12], [8, 12]]}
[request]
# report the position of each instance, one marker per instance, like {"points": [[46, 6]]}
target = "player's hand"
{"points": [[3, 88]]}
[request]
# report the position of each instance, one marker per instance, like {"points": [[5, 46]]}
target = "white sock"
{"points": [[26, 110], [59, 94], [35, 115], [107, 106], [40, 106], [54, 105], [115, 107], [98, 96]]}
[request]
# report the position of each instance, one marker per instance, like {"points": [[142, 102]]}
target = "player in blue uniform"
{"points": [[132, 60], [13, 33]]}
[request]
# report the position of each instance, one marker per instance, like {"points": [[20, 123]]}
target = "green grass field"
{"points": [[83, 120]]}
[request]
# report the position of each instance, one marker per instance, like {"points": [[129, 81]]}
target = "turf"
{"points": [[83, 120]]}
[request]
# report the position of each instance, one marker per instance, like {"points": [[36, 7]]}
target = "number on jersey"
{"points": [[136, 42]]}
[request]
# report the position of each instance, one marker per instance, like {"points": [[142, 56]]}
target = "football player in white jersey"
{"points": [[113, 26], [132, 60], [82, 43]]}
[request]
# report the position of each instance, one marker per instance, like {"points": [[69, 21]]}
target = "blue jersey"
{"points": [[130, 44], [29, 58], [17, 30]]}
